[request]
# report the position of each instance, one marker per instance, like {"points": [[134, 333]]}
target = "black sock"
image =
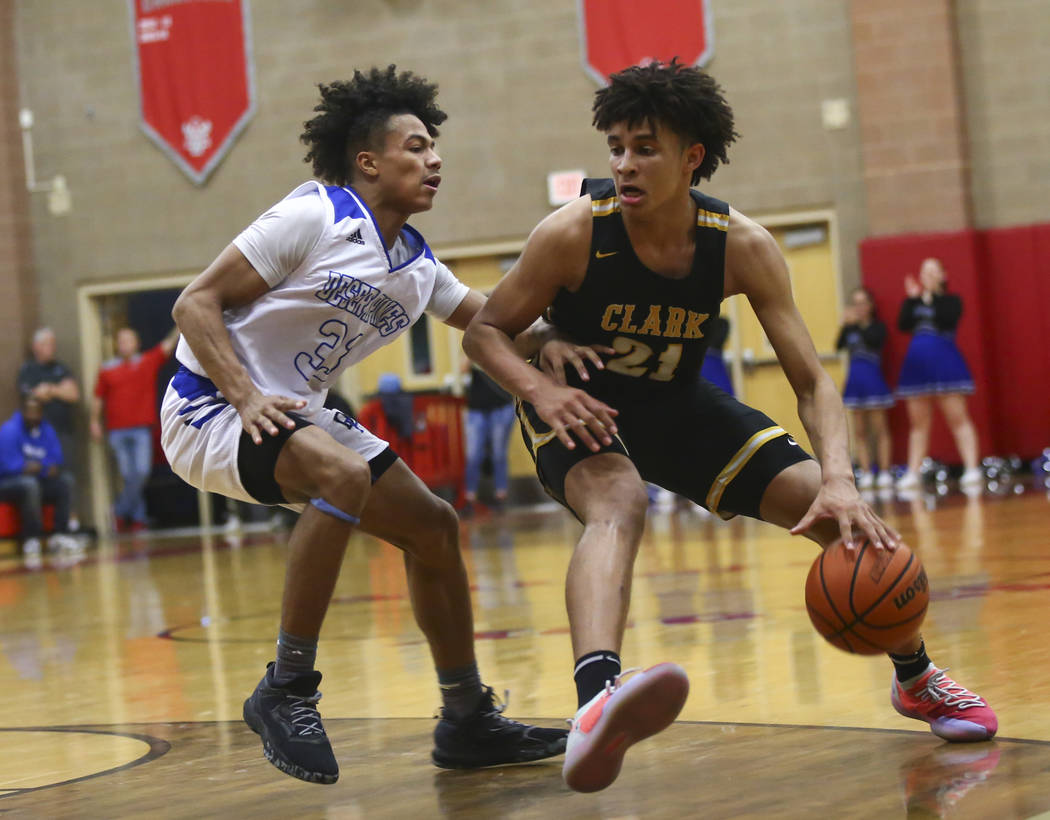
{"points": [[911, 666], [460, 689], [295, 657], [592, 671]]}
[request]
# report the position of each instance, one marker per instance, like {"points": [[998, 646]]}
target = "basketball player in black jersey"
{"points": [[636, 268]]}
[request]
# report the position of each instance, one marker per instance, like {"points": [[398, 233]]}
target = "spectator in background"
{"points": [[490, 417], [866, 394], [52, 384], [933, 366], [397, 405], [127, 391], [714, 367], [31, 475]]}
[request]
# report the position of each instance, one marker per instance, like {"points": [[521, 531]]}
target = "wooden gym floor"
{"points": [[123, 676]]}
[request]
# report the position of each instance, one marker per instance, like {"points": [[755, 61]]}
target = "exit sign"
{"points": [[563, 186]]}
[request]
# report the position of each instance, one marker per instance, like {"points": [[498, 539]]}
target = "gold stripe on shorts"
{"points": [[536, 440], [738, 462]]}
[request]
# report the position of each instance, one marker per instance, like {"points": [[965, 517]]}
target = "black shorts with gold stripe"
{"points": [[697, 441]]}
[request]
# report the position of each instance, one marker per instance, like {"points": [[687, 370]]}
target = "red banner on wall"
{"points": [[617, 34], [193, 60]]}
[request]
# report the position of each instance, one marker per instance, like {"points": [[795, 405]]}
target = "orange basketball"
{"points": [[867, 601]]}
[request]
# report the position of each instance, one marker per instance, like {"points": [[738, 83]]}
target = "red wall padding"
{"points": [[436, 450], [1003, 277], [1017, 330]]}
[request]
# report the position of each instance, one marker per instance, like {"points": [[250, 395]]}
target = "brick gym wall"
{"points": [[916, 174], [17, 291]]}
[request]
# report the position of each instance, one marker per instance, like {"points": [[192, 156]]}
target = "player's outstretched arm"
{"points": [[555, 256], [756, 268], [527, 343], [168, 343], [228, 282]]}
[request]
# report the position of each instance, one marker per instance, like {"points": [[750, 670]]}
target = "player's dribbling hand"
{"points": [[261, 414], [557, 354], [840, 501], [568, 410]]}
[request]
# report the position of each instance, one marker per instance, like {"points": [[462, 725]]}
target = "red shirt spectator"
{"points": [[128, 388], [127, 385]]}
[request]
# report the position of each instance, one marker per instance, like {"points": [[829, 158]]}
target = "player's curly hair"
{"points": [[352, 115], [683, 98]]}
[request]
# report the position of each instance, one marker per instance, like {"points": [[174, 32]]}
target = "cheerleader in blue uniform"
{"points": [[933, 366], [866, 393], [714, 367]]}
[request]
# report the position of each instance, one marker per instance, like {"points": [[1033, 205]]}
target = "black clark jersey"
{"points": [[658, 326]]}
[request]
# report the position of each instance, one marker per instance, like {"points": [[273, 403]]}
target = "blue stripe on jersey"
{"points": [[417, 245], [346, 205], [344, 202], [421, 242]]}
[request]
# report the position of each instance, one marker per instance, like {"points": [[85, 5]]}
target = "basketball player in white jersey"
{"points": [[329, 274]]}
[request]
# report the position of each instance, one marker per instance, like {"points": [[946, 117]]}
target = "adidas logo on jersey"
{"points": [[355, 237]]}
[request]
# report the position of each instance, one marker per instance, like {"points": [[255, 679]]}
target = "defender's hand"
{"points": [[557, 354], [568, 410], [261, 414], [839, 500]]}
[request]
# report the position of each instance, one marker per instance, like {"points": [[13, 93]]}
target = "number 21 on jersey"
{"points": [[634, 359]]}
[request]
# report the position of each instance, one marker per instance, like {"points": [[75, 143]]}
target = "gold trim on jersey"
{"points": [[704, 218], [738, 462], [712, 219], [605, 207]]}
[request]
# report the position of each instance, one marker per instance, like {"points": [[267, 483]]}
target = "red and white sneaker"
{"points": [[953, 712], [618, 717]]}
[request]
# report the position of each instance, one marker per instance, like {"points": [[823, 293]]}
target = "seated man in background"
{"points": [[31, 475], [52, 383]]}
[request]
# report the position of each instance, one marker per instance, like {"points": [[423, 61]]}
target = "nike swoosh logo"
{"points": [[600, 255], [792, 442]]}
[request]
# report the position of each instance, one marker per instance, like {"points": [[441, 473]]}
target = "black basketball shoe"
{"points": [[486, 738], [287, 720]]}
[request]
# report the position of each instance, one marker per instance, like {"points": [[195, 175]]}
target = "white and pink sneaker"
{"points": [[618, 717]]}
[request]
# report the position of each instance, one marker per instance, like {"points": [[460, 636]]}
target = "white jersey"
{"points": [[336, 293]]}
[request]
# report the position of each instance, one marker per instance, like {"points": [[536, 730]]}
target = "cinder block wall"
{"points": [[1004, 51], [511, 80], [519, 102]]}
